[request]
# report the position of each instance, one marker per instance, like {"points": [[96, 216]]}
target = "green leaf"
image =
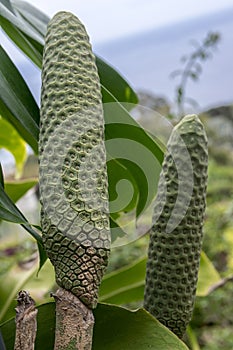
{"points": [[124, 285], [17, 104], [114, 82], [115, 328], [116, 230], [42, 255], [208, 276], [17, 188], [124, 137], [24, 36], [28, 28], [118, 328], [123, 198], [33, 16], [1, 176], [7, 4], [7, 215], [12, 142], [9, 212], [192, 339]]}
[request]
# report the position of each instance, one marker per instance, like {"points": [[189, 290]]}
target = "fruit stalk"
{"points": [[176, 234], [26, 323]]}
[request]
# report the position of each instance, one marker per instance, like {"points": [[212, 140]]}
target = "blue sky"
{"points": [[106, 19]]}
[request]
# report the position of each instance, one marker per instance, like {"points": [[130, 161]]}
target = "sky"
{"points": [[106, 19]]}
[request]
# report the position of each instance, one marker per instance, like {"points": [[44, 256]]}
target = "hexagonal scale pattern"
{"points": [[173, 256], [73, 188]]}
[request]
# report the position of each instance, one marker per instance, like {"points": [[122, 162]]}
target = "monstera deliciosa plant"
{"points": [[99, 173]]}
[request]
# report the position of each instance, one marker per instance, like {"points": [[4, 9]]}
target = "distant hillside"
{"points": [[146, 60]]}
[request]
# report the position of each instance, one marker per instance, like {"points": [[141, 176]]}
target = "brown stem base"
{"points": [[74, 322], [26, 325]]}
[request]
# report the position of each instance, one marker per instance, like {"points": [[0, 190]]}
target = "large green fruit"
{"points": [[176, 234], [73, 176]]}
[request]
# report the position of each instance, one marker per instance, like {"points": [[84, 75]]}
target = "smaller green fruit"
{"points": [[176, 234]]}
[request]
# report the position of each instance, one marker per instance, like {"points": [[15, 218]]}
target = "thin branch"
{"points": [[220, 284], [26, 324], [74, 322]]}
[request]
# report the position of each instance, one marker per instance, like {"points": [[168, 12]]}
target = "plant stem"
{"points": [[26, 324], [220, 284], [74, 322]]}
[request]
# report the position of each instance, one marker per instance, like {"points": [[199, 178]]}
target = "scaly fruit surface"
{"points": [[176, 234], [72, 160]]}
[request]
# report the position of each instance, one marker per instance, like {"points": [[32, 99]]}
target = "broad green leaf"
{"points": [[127, 284], [124, 285], [17, 103], [12, 142], [122, 198], [17, 188], [113, 82], [130, 144], [208, 276], [116, 230], [115, 328]]}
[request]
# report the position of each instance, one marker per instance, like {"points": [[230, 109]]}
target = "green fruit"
{"points": [[73, 175], [176, 234]]}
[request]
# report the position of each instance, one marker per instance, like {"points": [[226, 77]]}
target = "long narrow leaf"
{"points": [[1, 176], [7, 215], [33, 23], [7, 208], [16, 101], [26, 44], [9, 212], [33, 16], [7, 4], [18, 23]]}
